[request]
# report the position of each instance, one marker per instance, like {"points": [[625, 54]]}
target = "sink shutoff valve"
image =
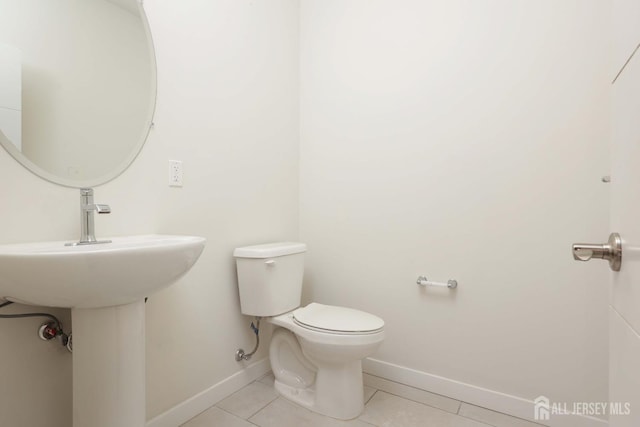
{"points": [[51, 330]]}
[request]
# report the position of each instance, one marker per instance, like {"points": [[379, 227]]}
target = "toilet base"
{"points": [[337, 392], [302, 396]]}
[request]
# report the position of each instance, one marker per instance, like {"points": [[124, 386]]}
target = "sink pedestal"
{"points": [[109, 366]]}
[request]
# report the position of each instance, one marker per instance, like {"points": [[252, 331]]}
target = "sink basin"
{"points": [[91, 276], [104, 285]]}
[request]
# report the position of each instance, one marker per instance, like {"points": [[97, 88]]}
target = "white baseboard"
{"points": [[490, 399], [494, 400], [191, 407]]}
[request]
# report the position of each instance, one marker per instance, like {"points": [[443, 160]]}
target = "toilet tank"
{"points": [[270, 277]]}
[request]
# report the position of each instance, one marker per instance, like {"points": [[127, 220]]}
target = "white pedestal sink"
{"points": [[105, 286]]}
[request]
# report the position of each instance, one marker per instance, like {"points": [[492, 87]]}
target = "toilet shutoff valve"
{"points": [[241, 355]]}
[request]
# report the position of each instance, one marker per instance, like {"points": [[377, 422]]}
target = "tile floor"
{"points": [[388, 404]]}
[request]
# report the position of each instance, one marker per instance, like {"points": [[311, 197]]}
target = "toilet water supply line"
{"points": [[240, 354], [47, 331]]}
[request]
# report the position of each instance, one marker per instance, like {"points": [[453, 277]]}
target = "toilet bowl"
{"points": [[320, 368], [316, 351]]}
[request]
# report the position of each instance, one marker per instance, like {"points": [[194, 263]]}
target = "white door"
{"points": [[624, 302]]}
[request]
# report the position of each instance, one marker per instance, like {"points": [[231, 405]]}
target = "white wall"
{"points": [[228, 108], [463, 140]]}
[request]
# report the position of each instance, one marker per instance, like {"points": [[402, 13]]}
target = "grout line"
{"points": [[268, 403], [478, 421], [372, 394], [460, 403], [496, 412], [422, 390], [252, 423], [233, 415], [365, 408]]}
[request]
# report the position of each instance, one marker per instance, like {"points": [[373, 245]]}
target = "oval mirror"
{"points": [[77, 86]]}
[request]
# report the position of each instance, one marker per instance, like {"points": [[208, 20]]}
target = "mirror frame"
{"points": [[136, 149]]}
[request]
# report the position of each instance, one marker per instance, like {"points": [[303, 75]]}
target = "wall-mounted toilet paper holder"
{"points": [[423, 281]]}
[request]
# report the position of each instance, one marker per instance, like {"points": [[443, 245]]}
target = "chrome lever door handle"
{"points": [[610, 251]]}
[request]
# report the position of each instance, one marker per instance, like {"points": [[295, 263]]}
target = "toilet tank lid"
{"points": [[270, 250]]}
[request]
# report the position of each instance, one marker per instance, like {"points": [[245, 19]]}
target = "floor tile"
{"points": [[493, 418], [411, 393], [216, 417], [283, 413], [388, 404], [387, 410], [249, 400]]}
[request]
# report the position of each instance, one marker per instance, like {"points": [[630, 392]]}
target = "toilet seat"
{"points": [[337, 320]]}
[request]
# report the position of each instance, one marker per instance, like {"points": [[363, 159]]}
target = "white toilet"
{"points": [[316, 351]]}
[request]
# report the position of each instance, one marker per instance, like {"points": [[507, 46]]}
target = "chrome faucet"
{"points": [[87, 226]]}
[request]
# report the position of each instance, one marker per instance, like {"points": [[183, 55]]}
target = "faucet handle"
{"points": [[102, 209]]}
